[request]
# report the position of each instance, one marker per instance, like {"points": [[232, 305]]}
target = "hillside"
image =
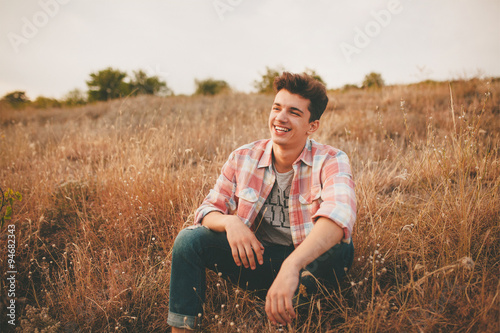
{"points": [[107, 186]]}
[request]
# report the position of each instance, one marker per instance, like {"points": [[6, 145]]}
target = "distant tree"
{"points": [[373, 80], [316, 76], [265, 84], [107, 84], [74, 98], [210, 86], [45, 102], [16, 99], [349, 87], [141, 84]]}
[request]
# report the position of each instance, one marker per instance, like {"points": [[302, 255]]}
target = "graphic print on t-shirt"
{"points": [[273, 222], [277, 207]]}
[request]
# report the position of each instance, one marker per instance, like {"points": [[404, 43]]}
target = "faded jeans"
{"points": [[198, 248]]}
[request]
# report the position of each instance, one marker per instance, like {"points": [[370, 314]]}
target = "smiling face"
{"points": [[289, 120]]}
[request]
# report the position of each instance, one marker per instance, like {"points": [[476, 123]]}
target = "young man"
{"points": [[281, 213]]}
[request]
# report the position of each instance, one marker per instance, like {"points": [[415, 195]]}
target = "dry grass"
{"points": [[106, 188]]}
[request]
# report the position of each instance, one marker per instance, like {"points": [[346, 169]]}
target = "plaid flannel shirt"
{"points": [[322, 186]]}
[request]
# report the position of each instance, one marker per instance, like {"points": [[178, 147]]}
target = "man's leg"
{"points": [[260, 279], [187, 277], [199, 248]]}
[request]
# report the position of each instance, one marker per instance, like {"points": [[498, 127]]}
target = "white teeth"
{"points": [[282, 129]]}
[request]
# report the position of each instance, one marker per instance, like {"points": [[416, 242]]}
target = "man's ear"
{"points": [[313, 126]]}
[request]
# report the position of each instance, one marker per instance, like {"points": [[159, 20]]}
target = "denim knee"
{"points": [[188, 241]]}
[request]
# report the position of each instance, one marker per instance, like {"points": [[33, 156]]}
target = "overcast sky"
{"points": [[49, 47]]}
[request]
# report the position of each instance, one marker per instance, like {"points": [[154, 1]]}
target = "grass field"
{"points": [[106, 188]]}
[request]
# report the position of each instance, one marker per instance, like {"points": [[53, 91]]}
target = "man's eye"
{"points": [[295, 113]]}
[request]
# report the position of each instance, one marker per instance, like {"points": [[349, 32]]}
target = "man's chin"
{"points": [[280, 142]]}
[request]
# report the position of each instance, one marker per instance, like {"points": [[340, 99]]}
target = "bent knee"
{"points": [[186, 238], [195, 239]]}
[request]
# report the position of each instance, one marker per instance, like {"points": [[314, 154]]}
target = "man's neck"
{"points": [[284, 157]]}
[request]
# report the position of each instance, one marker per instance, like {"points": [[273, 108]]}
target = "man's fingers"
{"points": [[269, 312], [258, 248], [280, 314], [289, 309], [244, 245], [279, 311], [243, 256], [260, 258], [272, 311], [285, 317], [236, 256], [250, 255]]}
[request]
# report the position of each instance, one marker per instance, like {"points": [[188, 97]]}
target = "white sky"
{"points": [[187, 39]]}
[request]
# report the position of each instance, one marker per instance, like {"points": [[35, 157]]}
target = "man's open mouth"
{"points": [[281, 129]]}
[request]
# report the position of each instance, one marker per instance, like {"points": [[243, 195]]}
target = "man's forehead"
{"points": [[287, 99]]}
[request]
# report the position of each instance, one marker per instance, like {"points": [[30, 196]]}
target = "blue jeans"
{"points": [[198, 248]]}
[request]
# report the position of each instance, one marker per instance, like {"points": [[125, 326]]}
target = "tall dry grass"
{"points": [[107, 187]]}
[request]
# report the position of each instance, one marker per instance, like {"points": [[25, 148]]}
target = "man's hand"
{"points": [[243, 242], [244, 245], [323, 236], [279, 306]]}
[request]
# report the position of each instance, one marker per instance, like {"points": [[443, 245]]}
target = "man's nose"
{"points": [[282, 116]]}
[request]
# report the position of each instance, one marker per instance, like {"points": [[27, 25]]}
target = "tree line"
{"points": [[103, 85], [112, 83]]}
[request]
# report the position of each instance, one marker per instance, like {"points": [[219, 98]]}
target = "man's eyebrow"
{"points": [[292, 108], [297, 109]]}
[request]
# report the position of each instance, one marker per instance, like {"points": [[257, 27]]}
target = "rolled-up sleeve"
{"points": [[221, 198], [338, 195]]}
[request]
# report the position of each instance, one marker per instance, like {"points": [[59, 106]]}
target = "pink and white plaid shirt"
{"points": [[322, 186]]}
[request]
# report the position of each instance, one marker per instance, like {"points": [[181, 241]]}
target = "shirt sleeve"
{"points": [[339, 198], [221, 198]]}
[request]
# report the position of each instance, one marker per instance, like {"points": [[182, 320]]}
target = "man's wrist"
{"points": [[215, 221], [224, 221], [292, 264], [227, 221]]}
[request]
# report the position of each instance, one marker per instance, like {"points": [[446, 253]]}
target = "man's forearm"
{"points": [[215, 221], [324, 235]]}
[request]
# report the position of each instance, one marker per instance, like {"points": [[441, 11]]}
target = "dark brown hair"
{"points": [[307, 87]]}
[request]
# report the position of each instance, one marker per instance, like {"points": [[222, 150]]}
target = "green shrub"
{"points": [[210, 86]]}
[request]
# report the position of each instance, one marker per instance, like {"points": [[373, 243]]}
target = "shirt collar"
{"points": [[267, 158], [306, 156]]}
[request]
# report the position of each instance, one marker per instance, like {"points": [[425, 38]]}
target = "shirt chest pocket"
{"points": [[248, 194], [247, 200], [311, 199]]}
